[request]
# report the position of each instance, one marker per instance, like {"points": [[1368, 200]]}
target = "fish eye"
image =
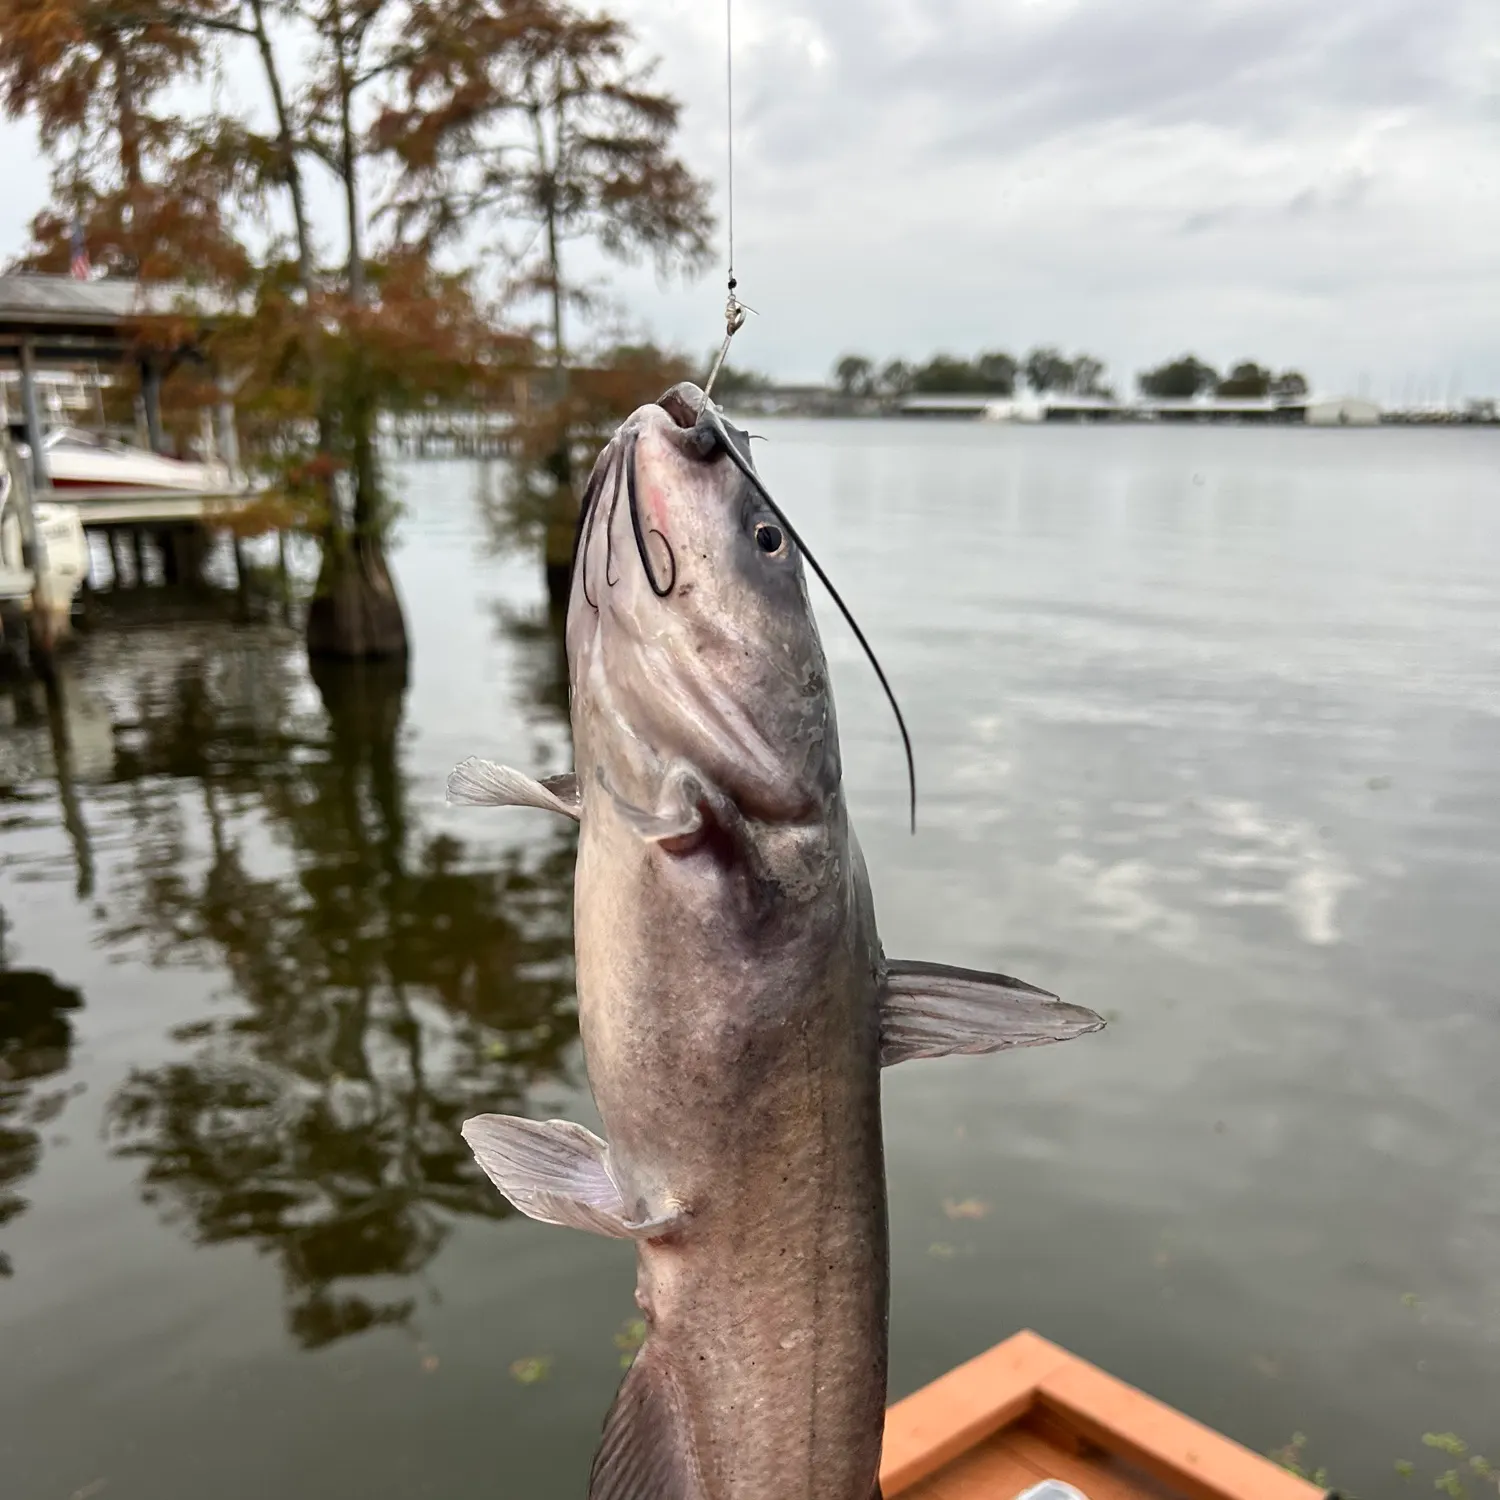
{"points": [[769, 538]]}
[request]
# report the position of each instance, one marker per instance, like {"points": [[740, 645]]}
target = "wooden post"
{"points": [[35, 432], [562, 525], [151, 399], [20, 486], [47, 621], [170, 574], [285, 578], [241, 571], [229, 438]]}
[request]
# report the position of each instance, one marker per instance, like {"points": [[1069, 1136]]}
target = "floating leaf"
{"points": [[631, 1336], [530, 1371], [965, 1208], [1446, 1442]]}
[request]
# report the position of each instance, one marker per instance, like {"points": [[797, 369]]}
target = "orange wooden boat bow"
{"points": [[1026, 1411]]}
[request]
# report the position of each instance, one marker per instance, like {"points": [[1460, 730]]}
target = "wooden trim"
{"points": [[932, 1426], [961, 1409]]}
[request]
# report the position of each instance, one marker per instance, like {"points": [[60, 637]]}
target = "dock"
{"points": [[50, 328]]}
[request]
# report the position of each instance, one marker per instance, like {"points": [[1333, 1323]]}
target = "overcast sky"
{"points": [[1310, 184]]}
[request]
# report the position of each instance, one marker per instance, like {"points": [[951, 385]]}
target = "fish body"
{"points": [[733, 1045], [736, 1007]]}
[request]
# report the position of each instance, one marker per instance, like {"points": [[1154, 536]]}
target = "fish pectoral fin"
{"points": [[558, 1173], [481, 783], [935, 1010], [672, 827], [676, 822], [646, 1451]]}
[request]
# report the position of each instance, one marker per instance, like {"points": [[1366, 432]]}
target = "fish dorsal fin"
{"points": [[935, 1010], [558, 1173], [481, 783], [646, 1452]]}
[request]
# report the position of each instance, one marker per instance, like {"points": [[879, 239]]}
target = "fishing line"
{"points": [[739, 461], [734, 309], [619, 458], [729, 123], [734, 320]]}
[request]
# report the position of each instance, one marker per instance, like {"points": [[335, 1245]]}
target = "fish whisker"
{"points": [[661, 591], [609, 529], [587, 512], [714, 420]]}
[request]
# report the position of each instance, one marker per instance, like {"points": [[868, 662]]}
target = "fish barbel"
{"points": [[736, 1007]]}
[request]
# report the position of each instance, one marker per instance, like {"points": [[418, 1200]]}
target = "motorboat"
{"points": [[81, 460]]}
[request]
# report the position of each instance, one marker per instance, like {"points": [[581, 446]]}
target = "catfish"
{"points": [[736, 1007]]}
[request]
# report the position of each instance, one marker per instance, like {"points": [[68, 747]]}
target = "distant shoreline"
{"points": [[1318, 411]]}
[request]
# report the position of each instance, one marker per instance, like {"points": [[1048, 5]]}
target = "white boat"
{"points": [[79, 460]]}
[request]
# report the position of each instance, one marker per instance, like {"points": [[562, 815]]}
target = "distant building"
{"points": [[1063, 406], [947, 406], [1342, 411]]}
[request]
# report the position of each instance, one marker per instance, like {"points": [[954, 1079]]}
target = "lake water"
{"points": [[1208, 737]]}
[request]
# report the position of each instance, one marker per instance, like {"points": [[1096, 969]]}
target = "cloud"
{"points": [[1309, 183]]}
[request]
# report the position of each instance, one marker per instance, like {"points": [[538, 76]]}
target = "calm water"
{"points": [[1208, 727]]}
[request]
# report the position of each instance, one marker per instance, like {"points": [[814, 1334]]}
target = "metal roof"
{"points": [[31, 300], [57, 298], [65, 319]]}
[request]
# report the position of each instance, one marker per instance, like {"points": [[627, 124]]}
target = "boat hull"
{"points": [[1027, 1410]]}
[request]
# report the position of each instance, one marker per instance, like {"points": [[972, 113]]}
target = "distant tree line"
{"points": [[993, 374], [1188, 376], [1047, 370]]}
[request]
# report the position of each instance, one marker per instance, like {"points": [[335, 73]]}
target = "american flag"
{"points": [[80, 265]]}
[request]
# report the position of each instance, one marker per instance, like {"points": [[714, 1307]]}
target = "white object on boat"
{"points": [[62, 551], [59, 530], [1052, 1489]]}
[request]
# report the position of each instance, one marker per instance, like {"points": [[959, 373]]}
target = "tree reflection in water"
{"points": [[388, 990]]}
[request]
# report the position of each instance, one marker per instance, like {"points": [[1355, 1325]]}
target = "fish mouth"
{"points": [[684, 404], [693, 413], [698, 432]]}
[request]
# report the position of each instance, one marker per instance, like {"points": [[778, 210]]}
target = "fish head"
{"points": [[691, 637]]}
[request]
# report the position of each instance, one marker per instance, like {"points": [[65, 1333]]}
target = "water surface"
{"points": [[1208, 728]]}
